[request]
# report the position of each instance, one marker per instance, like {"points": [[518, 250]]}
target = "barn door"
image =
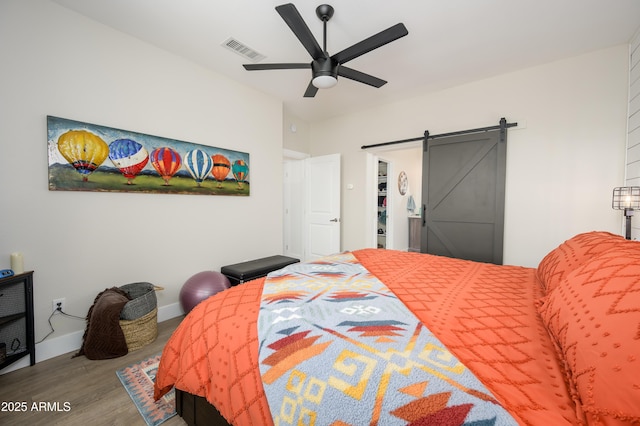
{"points": [[463, 195]]}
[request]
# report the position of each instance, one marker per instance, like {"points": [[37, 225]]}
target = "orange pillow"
{"points": [[594, 319], [569, 255]]}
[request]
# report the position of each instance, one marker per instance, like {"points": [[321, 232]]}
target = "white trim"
{"points": [[288, 154], [168, 312], [389, 242], [371, 199]]}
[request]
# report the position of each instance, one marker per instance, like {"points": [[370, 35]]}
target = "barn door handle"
{"points": [[335, 219], [424, 214]]}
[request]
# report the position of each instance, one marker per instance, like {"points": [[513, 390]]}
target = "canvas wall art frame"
{"points": [[90, 157]]}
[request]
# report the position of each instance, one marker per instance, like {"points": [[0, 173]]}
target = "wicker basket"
{"points": [[141, 331], [139, 317]]}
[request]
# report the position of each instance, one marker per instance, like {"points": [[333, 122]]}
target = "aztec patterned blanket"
{"points": [[357, 355]]}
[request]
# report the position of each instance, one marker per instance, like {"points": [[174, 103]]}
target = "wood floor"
{"points": [[92, 389]]}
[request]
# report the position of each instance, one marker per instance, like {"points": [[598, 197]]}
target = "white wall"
{"points": [[561, 165], [633, 139], [56, 62], [296, 133]]}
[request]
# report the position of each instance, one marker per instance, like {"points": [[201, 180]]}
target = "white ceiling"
{"points": [[450, 42]]}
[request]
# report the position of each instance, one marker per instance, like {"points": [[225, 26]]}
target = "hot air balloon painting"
{"points": [[240, 171], [221, 166], [84, 150], [129, 157], [77, 153], [166, 161], [199, 164]]}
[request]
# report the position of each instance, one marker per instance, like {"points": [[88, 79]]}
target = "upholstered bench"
{"points": [[252, 269]]}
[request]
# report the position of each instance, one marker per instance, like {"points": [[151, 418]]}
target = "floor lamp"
{"points": [[626, 198]]}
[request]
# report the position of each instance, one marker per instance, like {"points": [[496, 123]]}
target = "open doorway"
{"points": [[402, 206], [293, 209]]}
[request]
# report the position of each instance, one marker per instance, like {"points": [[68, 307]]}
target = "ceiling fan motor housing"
{"points": [[324, 66], [324, 73]]}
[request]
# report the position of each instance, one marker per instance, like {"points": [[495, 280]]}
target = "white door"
{"points": [[322, 215]]}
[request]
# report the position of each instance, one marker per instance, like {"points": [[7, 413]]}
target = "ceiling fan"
{"points": [[325, 69]]}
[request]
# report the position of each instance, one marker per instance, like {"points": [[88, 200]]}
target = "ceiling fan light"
{"points": [[324, 81]]}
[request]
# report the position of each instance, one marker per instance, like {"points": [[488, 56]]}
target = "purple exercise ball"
{"points": [[200, 286]]}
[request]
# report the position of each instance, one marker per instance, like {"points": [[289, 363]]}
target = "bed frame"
{"points": [[196, 410]]}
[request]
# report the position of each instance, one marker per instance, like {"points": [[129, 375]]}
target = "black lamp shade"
{"points": [[626, 197]]}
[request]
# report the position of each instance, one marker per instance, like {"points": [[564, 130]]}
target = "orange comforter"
{"points": [[485, 314]]}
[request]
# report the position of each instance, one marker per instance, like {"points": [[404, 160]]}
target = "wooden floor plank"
{"points": [[91, 388]]}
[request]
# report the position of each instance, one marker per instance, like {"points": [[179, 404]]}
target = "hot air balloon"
{"points": [[240, 171], [166, 161], [221, 166], [199, 164], [129, 157], [83, 150]]}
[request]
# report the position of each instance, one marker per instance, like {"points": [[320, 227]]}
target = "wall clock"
{"points": [[403, 183]]}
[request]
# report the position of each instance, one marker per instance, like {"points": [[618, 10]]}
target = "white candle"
{"points": [[17, 262]]}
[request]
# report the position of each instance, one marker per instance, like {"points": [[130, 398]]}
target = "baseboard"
{"points": [[71, 342], [169, 312]]}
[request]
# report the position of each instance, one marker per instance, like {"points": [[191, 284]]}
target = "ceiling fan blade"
{"points": [[373, 42], [311, 90], [360, 77], [292, 17], [259, 67]]}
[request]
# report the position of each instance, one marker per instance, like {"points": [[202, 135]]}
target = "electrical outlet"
{"points": [[58, 302]]}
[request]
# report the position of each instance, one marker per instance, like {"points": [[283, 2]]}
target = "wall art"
{"points": [[89, 157]]}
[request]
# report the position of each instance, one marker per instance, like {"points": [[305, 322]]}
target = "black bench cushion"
{"points": [[257, 268]]}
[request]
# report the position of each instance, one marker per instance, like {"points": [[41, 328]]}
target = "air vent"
{"points": [[242, 50]]}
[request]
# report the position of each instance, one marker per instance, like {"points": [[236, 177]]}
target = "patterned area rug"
{"points": [[138, 380]]}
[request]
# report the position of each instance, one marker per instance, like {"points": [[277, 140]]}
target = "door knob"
{"points": [[335, 219]]}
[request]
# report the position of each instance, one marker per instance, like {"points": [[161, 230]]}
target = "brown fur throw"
{"points": [[103, 338]]}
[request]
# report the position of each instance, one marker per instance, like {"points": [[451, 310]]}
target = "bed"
{"points": [[552, 345]]}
